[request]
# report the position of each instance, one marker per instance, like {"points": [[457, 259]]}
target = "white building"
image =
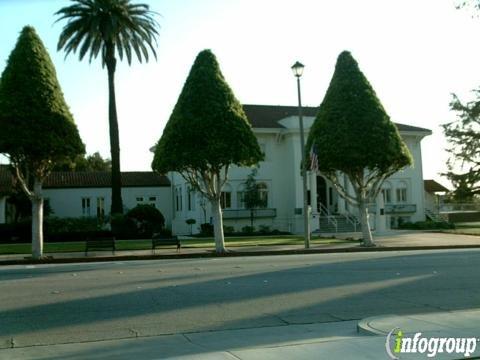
{"points": [[88, 194], [75, 194], [277, 131]]}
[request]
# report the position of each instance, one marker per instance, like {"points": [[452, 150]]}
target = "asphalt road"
{"points": [[54, 304]]}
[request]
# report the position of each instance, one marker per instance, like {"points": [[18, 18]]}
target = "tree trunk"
{"points": [[117, 205], [251, 218], [363, 209], [218, 227], [37, 220]]}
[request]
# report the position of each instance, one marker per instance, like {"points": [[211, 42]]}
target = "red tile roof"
{"points": [[432, 186], [267, 116], [98, 179]]}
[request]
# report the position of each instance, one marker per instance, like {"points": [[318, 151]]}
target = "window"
{"points": [[139, 199], [226, 197], [226, 200], [152, 198], [387, 193], [402, 192], [86, 207], [178, 199], [190, 198], [263, 192], [100, 207]]}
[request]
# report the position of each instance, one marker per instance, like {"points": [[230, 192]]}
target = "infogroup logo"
{"points": [[397, 343]]}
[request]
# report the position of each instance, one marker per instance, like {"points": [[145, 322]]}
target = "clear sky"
{"points": [[414, 52]]}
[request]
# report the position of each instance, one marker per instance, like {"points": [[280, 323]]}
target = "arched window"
{"points": [[402, 192], [387, 192], [226, 197]]}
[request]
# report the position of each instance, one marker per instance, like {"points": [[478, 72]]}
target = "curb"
{"points": [[231, 254], [364, 328]]}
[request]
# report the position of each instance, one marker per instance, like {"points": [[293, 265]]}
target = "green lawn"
{"points": [[188, 243]]}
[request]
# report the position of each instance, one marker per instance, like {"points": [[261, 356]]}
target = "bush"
{"points": [[206, 229], [147, 219], [20, 232], [54, 225], [426, 225], [228, 229], [264, 229], [123, 227], [248, 229]]}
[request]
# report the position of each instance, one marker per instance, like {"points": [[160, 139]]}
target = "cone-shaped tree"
{"points": [[207, 132], [36, 126], [353, 135]]}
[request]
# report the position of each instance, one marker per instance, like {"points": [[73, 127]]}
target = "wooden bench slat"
{"points": [[100, 243], [159, 240]]}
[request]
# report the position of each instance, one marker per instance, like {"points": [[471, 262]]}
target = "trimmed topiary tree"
{"points": [[36, 126], [147, 218], [354, 136], [207, 132]]}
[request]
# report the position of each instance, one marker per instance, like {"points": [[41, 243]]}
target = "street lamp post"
{"points": [[297, 69]]}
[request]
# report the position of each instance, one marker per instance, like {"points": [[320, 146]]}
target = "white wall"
{"points": [[68, 202], [281, 172]]}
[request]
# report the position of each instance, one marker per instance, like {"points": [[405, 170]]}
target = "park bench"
{"points": [[100, 243], [161, 240]]}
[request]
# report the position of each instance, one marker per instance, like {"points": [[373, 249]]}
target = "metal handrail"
{"points": [[352, 220], [330, 218]]}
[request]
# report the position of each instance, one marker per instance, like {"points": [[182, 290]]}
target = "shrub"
{"points": [[55, 225], [264, 229], [206, 229], [123, 227], [248, 229], [426, 225], [147, 219], [228, 229]]}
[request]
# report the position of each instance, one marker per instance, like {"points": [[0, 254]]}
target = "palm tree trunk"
{"points": [[117, 205]]}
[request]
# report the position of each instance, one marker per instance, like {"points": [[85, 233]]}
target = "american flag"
{"points": [[313, 158]]}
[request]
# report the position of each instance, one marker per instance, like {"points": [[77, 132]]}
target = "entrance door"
{"points": [[321, 192]]}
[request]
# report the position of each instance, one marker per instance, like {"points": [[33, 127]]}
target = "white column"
{"points": [[314, 216], [313, 191], [2, 209], [380, 217]]}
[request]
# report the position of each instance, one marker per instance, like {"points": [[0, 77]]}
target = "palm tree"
{"points": [[109, 27]]}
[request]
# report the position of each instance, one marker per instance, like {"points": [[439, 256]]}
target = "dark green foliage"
{"points": [[463, 135], [66, 225], [36, 124], [22, 206], [94, 25], [252, 195], [123, 227], [228, 230], [147, 218], [190, 221], [206, 229], [93, 162], [248, 229], [352, 131], [208, 128], [427, 225]]}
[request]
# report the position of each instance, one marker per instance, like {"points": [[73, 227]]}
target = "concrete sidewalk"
{"points": [[337, 340], [393, 240]]}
